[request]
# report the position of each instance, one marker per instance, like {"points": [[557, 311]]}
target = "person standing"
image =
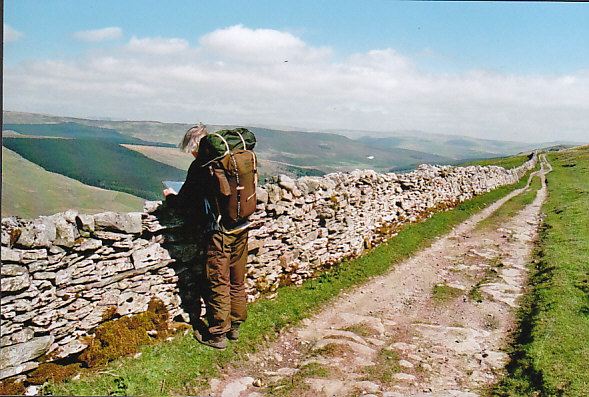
{"points": [[225, 245]]}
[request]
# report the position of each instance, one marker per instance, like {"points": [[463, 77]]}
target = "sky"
{"points": [[498, 70]]}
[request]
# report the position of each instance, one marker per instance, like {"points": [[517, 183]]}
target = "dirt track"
{"points": [[436, 325]]}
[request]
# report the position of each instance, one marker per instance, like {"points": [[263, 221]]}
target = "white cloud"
{"points": [[259, 45], [238, 75], [157, 46], [11, 34], [111, 33]]}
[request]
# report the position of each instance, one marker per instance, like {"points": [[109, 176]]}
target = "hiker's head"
{"points": [[192, 138]]}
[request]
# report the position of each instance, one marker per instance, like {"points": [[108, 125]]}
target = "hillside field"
{"points": [[75, 131], [29, 191], [98, 163]]}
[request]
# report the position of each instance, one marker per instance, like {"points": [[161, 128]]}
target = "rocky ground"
{"points": [[436, 325]]}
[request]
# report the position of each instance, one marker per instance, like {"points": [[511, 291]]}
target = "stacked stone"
{"points": [[309, 224], [68, 268], [60, 273]]}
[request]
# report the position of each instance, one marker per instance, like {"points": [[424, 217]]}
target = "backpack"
{"points": [[233, 165]]}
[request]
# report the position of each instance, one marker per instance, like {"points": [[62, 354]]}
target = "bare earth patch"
{"points": [[436, 325]]}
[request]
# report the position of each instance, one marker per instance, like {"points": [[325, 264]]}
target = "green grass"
{"points": [[490, 274], [184, 364], [505, 162], [444, 293], [24, 183], [385, 367], [286, 386], [362, 329], [512, 206], [552, 345], [98, 163]]}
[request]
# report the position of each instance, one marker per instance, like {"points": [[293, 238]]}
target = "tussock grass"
{"points": [[445, 293], [552, 345], [385, 367], [361, 329], [286, 386], [182, 366]]}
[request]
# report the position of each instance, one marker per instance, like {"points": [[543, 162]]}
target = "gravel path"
{"points": [[436, 325]]}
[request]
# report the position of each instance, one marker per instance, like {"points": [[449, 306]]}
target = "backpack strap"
{"points": [[255, 160], [240, 137]]}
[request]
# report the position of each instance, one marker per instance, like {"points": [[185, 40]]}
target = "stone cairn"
{"points": [[60, 273]]}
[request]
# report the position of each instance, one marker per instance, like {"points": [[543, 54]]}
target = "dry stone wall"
{"points": [[61, 272]]}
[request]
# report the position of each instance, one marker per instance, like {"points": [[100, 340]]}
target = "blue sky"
{"points": [[503, 70]]}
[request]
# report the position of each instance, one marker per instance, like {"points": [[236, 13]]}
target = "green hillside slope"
{"points": [[75, 130], [29, 191], [505, 162], [98, 163], [171, 156], [153, 131], [331, 152]]}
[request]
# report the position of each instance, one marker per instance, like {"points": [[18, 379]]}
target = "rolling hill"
{"points": [[29, 191], [76, 131], [98, 163], [135, 156], [323, 152], [452, 147]]}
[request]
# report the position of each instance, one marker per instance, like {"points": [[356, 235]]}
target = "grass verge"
{"points": [[505, 162], [512, 206], [549, 356], [182, 366]]}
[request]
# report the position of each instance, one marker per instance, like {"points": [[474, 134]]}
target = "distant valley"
{"points": [[135, 156]]}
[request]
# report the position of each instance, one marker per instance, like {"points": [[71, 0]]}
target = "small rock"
{"points": [[404, 377], [405, 363], [22, 352], [236, 387]]}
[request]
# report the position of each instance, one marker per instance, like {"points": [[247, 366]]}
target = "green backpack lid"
{"points": [[216, 144]]}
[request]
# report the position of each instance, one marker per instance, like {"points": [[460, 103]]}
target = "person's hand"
{"points": [[167, 192]]}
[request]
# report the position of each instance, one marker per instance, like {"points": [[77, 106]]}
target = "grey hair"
{"points": [[192, 136]]}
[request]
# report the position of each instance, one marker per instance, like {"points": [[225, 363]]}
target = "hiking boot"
{"points": [[233, 333], [216, 341]]}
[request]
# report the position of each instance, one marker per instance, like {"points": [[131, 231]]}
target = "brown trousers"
{"points": [[225, 270]]}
